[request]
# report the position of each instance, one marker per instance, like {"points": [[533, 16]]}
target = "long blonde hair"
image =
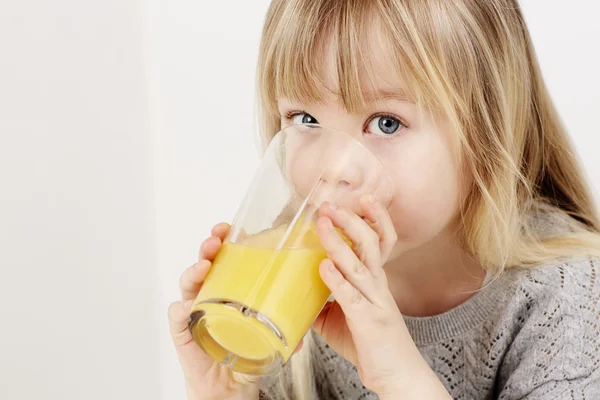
{"points": [[474, 62]]}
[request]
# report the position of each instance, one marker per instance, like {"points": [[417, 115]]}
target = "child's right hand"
{"points": [[205, 378]]}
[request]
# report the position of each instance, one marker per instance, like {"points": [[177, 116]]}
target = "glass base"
{"points": [[237, 337]]}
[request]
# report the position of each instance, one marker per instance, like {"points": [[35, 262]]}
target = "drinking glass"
{"points": [[264, 291]]}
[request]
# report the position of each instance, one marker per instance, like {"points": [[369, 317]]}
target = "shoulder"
{"points": [[555, 341], [555, 291], [562, 276], [535, 297], [549, 296], [568, 284]]}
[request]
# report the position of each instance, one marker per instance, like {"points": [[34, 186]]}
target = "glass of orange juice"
{"points": [[263, 291]]}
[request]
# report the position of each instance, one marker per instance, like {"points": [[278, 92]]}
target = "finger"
{"points": [[365, 242], [179, 313], [192, 278], [345, 260], [380, 221], [350, 299], [209, 248], [220, 230]]}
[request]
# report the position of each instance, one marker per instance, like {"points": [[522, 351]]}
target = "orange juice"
{"points": [[275, 276]]}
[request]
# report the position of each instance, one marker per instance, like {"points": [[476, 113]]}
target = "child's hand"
{"points": [[364, 324], [205, 379]]}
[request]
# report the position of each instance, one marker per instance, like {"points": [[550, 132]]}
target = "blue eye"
{"points": [[304, 118], [384, 125]]}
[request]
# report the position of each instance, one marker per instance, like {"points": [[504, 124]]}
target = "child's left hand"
{"points": [[364, 324]]}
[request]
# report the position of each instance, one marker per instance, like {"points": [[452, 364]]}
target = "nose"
{"points": [[327, 165], [342, 175]]}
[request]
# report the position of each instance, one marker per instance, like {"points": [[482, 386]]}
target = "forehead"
{"points": [[374, 74], [356, 65]]}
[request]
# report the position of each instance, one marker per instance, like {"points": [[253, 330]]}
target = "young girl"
{"points": [[481, 280]]}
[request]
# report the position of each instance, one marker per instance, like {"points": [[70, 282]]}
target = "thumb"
{"points": [[179, 313]]}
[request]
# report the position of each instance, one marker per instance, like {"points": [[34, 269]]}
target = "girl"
{"points": [[481, 280]]}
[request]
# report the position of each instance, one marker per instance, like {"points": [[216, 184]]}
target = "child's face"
{"points": [[417, 150]]}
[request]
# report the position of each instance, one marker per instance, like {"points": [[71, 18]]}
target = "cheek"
{"points": [[302, 171], [301, 156], [426, 190]]}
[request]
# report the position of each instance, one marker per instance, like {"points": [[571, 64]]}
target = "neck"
{"points": [[433, 278]]}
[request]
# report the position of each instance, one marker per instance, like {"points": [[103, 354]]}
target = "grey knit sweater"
{"points": [[530, 334]]}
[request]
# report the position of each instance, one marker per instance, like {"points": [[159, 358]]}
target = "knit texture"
{"points": [[529, 334]]}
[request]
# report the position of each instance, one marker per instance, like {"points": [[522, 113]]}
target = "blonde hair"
{"points": [[472, 61]]}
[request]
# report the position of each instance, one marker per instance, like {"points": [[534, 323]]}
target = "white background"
{"points": [[126, 133]]}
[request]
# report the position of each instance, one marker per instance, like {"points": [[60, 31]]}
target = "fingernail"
{"points": [[332, 206]]}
